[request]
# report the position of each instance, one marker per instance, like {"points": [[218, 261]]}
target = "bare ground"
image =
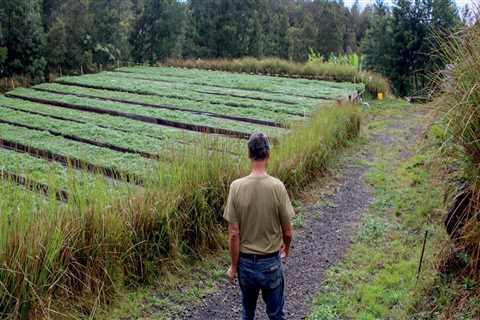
{"points": [[330, 224], [332, 211]]}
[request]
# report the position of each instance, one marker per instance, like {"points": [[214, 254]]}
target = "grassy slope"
{"points": [[377, 279]]}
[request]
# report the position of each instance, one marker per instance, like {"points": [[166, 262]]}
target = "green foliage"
{"points": [[57, 42], [372, 82], [400, 43], [351, 59], [85, 35], [377, 277], [24, 37], [461, 98], [177, 213], [166, 114], [152, 36]]}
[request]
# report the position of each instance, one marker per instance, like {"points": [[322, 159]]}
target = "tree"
{"points": [[331, 25], [24, 37], [376, 45], [78, 55], [110, 35], [154, 36], [302, 39], [3, 52], [444, 19], [57, 44]]}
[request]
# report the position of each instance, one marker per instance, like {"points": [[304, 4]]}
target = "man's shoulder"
{"points": [[272, 181], [238, 181], [276, 182]]}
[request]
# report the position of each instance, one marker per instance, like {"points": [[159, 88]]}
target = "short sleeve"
{"points": [[230, 214], [286, 209]]}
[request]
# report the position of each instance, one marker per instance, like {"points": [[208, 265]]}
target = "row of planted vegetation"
{"points": [[107, 177], [317, 69]]}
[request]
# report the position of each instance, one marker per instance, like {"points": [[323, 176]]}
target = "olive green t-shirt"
{"points": [[260, 206]]}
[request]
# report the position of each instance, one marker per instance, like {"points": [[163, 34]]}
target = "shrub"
{"points": [[462, 98]]}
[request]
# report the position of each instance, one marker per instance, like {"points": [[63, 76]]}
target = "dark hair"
{"points": [[258, 147]]}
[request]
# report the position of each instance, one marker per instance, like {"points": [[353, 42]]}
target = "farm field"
{"points": [[121, 128]]}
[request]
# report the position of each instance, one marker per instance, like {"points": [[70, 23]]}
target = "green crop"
{"points": [[285, 86], [101, 157], [169, 115], [281, 114], [152, 88]]}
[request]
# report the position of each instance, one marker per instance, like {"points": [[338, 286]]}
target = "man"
{"points": [[259, 214]]}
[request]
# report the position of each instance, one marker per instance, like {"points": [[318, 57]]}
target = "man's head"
{"points": [[258, 147]]}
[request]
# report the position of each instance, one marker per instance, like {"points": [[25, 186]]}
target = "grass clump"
{"points": [[454, 293], [462, 100], [374, 83], [377, 278], [51, 255]]}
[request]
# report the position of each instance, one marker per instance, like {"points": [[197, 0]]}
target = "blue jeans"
{"points": [[266, 275]]}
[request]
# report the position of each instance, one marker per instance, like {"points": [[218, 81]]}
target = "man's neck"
{"points": [[259, 173], [259, 169]]}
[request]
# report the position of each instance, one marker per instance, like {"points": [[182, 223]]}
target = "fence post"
{"points": [[421, 256]]}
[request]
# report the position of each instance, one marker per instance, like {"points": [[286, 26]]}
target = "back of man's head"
{"points": [[258, 147]]}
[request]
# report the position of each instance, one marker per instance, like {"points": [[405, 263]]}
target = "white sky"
{"points": [[460, 3]]}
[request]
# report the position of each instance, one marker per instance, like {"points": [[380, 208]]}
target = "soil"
{"points": [[332, 208], [326, 233]]}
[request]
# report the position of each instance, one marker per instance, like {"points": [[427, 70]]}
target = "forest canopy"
{"points": [[38, 37]]}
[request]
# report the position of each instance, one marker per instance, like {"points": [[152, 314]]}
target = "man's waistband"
{"points": [[258, 256]]}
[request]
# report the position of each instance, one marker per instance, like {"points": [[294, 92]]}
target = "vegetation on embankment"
{"points": [[85, 252], [374, 83], [455, 294], [377, 278]]}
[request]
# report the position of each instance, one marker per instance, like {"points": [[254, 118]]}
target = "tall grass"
{"points": [[82, 251], [462, 97], [374, 83]]}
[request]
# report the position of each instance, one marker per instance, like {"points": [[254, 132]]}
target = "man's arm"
{"points": [[287, 232], [234, 247], [286, 215]]}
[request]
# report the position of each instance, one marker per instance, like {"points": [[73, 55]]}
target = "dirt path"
{"points": [[330, 215], [328, 228]]}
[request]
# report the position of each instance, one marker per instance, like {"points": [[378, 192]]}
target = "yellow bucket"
{"points": [[380, 96]]}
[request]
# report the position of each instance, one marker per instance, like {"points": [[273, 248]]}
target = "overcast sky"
{"points": [[460, 3]]}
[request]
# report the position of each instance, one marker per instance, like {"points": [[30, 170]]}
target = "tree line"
{"points": [[38, 37]]}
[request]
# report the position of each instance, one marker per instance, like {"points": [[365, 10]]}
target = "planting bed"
{"points": [[120, 128]]}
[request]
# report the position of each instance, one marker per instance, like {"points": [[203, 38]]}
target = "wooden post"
{"points": [[421, 256]]}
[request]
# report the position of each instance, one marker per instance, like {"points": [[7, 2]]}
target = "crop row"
{"points": [[45, 174], [101, 120], [175, 118], [80, 155], [145, 87], [295, 87], [261, 114], [269, 112], [161, 134], [217, 89], [88, 133]]}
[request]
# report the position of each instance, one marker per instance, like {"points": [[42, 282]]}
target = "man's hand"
{"points": [[284, 252], [232, 274], [234, 246], [287, 231]]}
